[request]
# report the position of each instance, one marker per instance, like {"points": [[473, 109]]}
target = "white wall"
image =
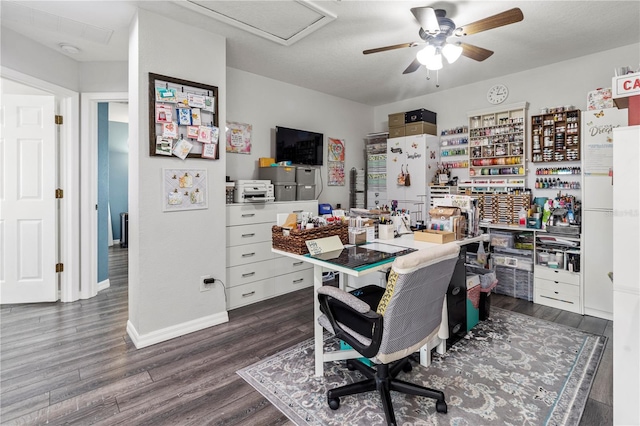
{"points": [[104, 76], [265, 103], [563, 83], [169, 252], [31, 58]]}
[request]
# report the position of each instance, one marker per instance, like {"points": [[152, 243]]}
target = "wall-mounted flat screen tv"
{"points": [[299, 146]]}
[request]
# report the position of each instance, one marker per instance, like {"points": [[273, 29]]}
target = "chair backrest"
{"points": [[412, 304]]}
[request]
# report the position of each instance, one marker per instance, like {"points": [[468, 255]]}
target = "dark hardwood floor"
{"points": [[73, 363]]}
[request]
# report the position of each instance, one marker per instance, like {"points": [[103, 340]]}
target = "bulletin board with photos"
{"points": [[183, 118]]}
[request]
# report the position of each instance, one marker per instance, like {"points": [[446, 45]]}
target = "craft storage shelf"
{"points": [[555, 137], [557, 274], [376, 169], [454, 148], [497, 141]]}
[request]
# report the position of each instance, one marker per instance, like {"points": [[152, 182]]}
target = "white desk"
{"points": [[319, 266]]}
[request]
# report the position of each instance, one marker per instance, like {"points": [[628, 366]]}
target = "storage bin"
{"points": [[420, 128], [514, 282], [420, 115], [396, 120], [305, 176], [285, 192], [306, 192], [295, 242], [279, 174], [396, 132], [501, 239]]}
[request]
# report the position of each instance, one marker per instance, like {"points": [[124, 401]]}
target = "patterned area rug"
{"points": [[511, 369]]}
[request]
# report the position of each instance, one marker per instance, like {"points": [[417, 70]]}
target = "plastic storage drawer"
{"points": [[306, 192]]}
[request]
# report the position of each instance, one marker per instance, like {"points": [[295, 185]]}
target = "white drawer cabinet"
{"points": [[254, 273], [557, 288]]}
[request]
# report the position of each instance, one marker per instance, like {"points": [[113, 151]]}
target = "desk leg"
{"points": [[317, 328]]}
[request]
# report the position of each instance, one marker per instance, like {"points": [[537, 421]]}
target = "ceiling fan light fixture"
{"points": [[435, 62], [424, 55], [452, 52]]}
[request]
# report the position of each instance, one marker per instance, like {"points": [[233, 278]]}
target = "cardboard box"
{"points": [[438, 237], [396, 120], [443, 213], [396, 132], [420, 115], [420, 128], [266, 161]]}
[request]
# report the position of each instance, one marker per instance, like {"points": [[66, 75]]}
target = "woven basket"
{"points": [[295, 241]]}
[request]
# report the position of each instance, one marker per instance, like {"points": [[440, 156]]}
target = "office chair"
{"points": [[388, 325]]}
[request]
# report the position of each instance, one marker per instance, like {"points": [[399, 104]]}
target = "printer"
{"points": [[254, 191]]}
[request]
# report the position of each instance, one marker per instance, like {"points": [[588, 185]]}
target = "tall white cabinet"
{"points": [[417, 155], [626, 270], [254, 273]]}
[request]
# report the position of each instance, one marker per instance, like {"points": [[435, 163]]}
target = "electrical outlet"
{"points": [[203, 286]]}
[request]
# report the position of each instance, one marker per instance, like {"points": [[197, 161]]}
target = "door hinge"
{"points": [[58, 119], [59, 193], [59, 267]]}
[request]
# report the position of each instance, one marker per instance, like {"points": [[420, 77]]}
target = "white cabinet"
{"points": [[254, 273], [598, 262], [418, 156], [557, 279]]}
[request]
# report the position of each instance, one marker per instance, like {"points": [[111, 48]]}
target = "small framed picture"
{"points": [[164, 146], [192, 132]]}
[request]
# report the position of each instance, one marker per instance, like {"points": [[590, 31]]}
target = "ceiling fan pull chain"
{"points": [[428, 77], [437, 78]]}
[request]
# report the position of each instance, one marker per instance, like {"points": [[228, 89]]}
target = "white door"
{"points": [[27, 196]]}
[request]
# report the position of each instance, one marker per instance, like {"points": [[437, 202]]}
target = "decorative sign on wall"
{"points": [[184, 189], [238, 137], [183, 118], [335, 163]]}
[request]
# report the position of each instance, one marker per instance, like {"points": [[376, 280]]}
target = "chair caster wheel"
{"points": [[350, 365], [407, 367], [334, 403], [441, 407]]}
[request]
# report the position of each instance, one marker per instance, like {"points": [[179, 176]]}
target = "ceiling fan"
{"points": [[440, 35]]}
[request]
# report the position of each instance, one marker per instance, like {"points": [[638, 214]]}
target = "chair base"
{"points": [[383, 379]]}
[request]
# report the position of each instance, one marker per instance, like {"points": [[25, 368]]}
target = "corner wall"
{"points": [[169, 252]]}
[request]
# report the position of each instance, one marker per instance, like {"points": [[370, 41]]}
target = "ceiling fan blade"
{"points": [[505, 18], [395, 46], [427, 19], [475, 52], [413, 66]]}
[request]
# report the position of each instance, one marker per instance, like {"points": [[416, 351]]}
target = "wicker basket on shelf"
{"points": [[295, 241]]}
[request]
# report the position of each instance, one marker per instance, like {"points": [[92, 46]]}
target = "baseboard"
{"points": [[103, 285], [598, 313], [158, 336]]}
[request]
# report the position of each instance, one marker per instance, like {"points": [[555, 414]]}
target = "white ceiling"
{"points": [[327, 57]]}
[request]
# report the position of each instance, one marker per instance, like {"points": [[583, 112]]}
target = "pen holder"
{"points": [[386, 232]]}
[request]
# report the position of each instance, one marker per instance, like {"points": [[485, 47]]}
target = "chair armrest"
{"points": [[346, 298], [361, 310]]}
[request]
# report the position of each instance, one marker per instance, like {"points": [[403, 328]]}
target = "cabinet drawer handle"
{"points": [[248, 254], [556, 282], [297, 263], [298, 281], [248, 215], [251, 293], [297, 211], [556, 292], [249, 274], [248, 235]]}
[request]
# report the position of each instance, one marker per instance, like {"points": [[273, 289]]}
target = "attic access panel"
{"points": [[283, 22]]}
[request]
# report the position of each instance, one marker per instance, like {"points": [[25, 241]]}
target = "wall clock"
{"points": [[497, 94]]}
